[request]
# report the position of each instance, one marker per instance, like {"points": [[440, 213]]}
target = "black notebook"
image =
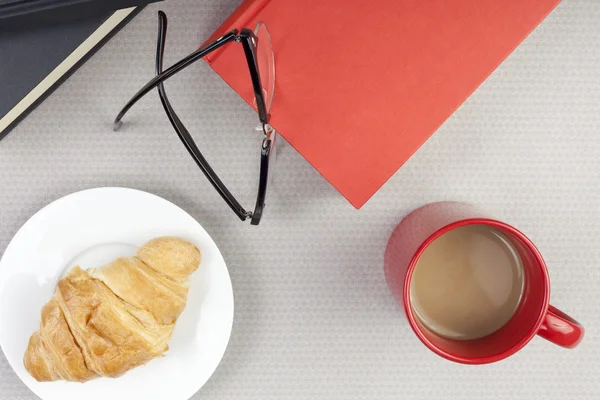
{"points": [[36, 60]]}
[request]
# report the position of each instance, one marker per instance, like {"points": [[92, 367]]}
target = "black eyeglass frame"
{"points": [[249, 43]]}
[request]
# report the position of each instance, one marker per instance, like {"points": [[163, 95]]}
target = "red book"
{"points": [[360, 85]]}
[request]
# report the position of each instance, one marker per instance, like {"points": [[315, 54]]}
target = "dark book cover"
{"points": [[34, 57], [23, 14]]}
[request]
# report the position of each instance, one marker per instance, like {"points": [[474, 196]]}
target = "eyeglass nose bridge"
{"points": [[266, 129]]}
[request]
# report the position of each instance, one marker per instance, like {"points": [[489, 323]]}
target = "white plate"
{"points": [[93, 227]]}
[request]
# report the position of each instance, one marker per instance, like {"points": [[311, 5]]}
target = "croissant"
{"points": [[103, 322]]}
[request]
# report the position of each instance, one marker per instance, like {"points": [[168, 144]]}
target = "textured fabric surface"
{"points": [[314, 319]]}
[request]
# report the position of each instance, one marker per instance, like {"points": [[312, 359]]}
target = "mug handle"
{"points": [[561, 329]]}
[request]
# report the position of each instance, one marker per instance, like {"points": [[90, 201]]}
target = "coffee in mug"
{"points": [[467, 283]]}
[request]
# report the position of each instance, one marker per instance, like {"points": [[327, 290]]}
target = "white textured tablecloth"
{"points": [[314, 319]]}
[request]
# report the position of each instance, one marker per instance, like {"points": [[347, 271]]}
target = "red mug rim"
{"points": [[526, 338]]}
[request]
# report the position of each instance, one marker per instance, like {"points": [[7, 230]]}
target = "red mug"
{"points": [[534, 314]]}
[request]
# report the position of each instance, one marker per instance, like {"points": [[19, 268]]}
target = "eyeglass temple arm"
{"points": [[169, 72], [184, 134]]}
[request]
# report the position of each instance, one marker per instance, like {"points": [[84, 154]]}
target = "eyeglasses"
{"points": [[258, 50]]}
